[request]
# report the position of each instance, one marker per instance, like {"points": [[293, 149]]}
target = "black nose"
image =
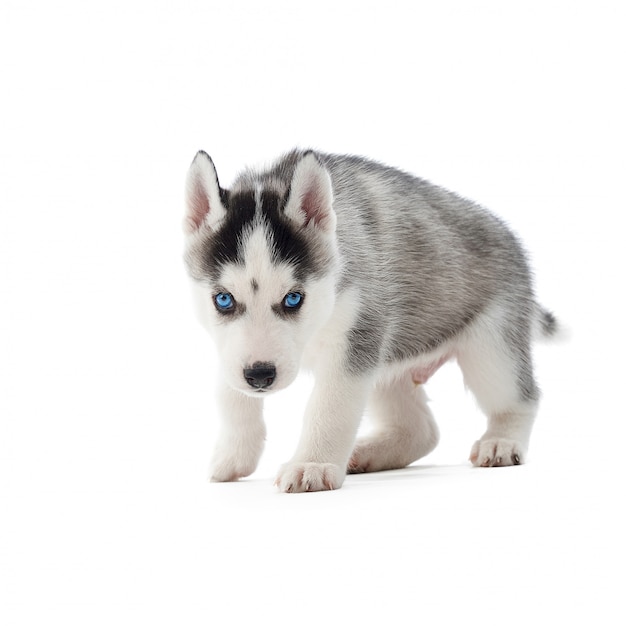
{"points": [[260, 375]]}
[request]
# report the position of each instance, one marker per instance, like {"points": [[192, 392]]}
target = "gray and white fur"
{"points": [[372, 278]]}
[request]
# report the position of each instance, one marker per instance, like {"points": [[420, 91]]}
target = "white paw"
{"points": [[373, 455], [362, 458], [229, 467], [390, 451], [495, 452], [299, 477]]}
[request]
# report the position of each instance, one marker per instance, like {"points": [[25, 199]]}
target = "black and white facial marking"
{"points": [[256, 278], [248, 211], [264, 312], [292, 202], [264, 258], [257, 252]]}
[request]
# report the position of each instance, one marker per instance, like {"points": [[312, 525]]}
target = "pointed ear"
{"points": [[311, 195], [203, 195]]}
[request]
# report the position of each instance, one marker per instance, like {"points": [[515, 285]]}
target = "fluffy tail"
{"points": [[547, 327], [548, 324]]}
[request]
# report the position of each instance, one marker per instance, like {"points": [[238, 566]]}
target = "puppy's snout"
{"points": [[260, 375]]}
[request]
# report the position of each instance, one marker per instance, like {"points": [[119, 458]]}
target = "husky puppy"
{"points": [[373, 279]]}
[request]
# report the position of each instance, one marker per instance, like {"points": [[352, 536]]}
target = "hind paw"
{"points": [[497, 453], [391, 450], [374, 455]]}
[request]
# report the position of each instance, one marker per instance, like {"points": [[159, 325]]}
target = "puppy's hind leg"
{"points": [[497, 368], [404, 428]]}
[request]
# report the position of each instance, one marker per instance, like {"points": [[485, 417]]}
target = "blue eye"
{"points": [[293, 300], [224, 301]]}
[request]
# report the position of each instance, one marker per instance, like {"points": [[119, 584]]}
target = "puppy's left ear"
{"points": [[310, 200], [204, 205]]}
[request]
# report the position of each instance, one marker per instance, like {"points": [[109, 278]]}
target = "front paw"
{"points": [[227, 467], [300, 477], [496, 452]]}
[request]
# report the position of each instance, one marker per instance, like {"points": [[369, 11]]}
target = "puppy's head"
{"points": [[263, 260]]}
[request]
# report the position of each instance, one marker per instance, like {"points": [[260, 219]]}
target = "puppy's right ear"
{"points": [[204, 205]]}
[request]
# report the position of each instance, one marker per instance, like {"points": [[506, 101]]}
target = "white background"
{"points": [[107, 416]]}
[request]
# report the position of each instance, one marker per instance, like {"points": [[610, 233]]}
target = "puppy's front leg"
{"points": [[331, 421], [241, 437]]}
